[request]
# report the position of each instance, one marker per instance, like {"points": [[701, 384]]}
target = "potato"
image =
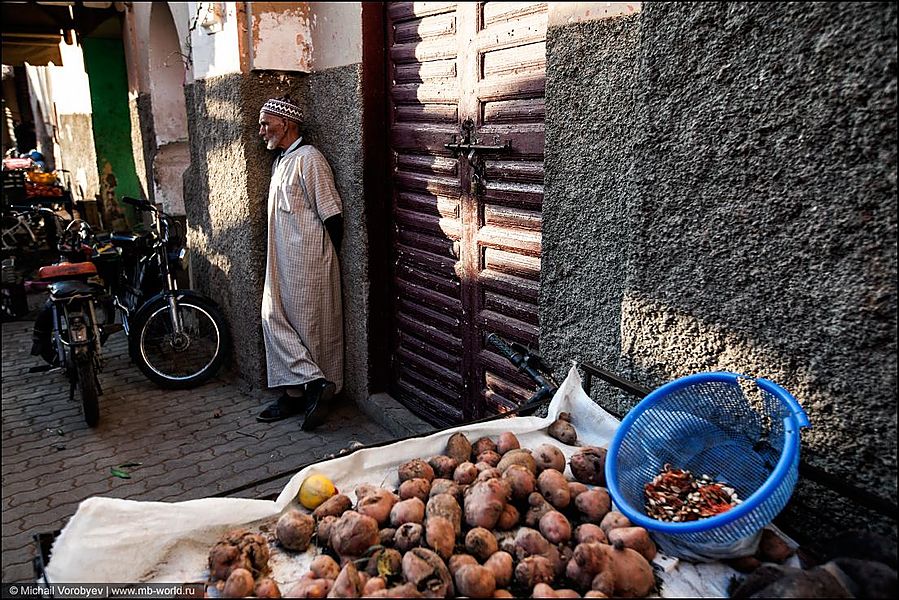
{"points": [[459, 448], [594, 504], [378, 503], [529, 542], [521, 457], [465, 473], [628, 574], [491, 457], [589, 532], [385, 536], [373, 585], [415, 488], [407, 511], [422, 567], [507, 441], [443, 466], [481, 543], [635, 538], [542, 590], [416, 469], [533, 570], [576, 488], [613, 520], [457, 560], [333, 507], [537, 507], [485, 472], [294, 530], [588, 465], [364, 489], [445, 486], [562, 430], [521, 481], [239, 584], [323, 530], [772, 548], [353, 534], [348, 584], [408, 536], [238, 549], [482, 445], [384, 562], [614, 572], [509, 518], [743, 564], [554, 487], [440, 536], [266, 588], [311, 588], [502, 594], [444, 505], [406, 590], [566, 593], [324, 567], [548, 456], [502, 565], [484, 502], [475, 581], [555, 527]]}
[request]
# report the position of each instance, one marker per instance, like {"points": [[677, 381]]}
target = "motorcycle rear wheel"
{"points": [[87, 386], [180, 361]]}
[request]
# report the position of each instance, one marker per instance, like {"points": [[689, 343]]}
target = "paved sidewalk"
{"points": [[190, 443]]}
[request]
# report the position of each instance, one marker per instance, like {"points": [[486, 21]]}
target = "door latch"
{"points": [[471, 147], [474, 153]]}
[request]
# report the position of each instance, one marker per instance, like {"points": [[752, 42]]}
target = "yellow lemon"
{"points": [[315, 490]]}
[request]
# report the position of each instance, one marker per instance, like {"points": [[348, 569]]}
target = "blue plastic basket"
{"points": [[738, 430]]}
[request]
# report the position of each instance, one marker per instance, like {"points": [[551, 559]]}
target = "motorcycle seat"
{"points": [[67, 289], [67, 271]]}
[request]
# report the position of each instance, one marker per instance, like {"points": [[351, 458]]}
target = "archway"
{"points": [[166, 75]]}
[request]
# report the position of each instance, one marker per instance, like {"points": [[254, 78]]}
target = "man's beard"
{"points": [[274, 141]]}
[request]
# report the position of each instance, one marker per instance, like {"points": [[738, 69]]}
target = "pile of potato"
{"points": [[483, 519]]}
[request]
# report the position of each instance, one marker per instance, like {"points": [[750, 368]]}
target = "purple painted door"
{"points": [[466, 240]]}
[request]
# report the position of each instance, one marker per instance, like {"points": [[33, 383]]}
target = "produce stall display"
{"points": [[511, 505]]}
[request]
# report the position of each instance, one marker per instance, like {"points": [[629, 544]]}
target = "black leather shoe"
{"points": [[286, 406], [320, 393]]}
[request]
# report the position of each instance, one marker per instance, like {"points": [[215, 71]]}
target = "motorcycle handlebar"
{"points": [[139, 204], [546, 388], [501, 346]]}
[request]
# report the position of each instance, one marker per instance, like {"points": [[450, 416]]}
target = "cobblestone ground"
{"points": [[189, 443]]}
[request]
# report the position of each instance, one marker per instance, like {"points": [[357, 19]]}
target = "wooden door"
{"points": [[466, 245]]}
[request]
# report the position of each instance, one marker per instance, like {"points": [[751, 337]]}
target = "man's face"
{"points": [[272, 129]]}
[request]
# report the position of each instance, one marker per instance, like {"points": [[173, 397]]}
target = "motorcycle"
{"points": [[177, 337], [71, 321]]}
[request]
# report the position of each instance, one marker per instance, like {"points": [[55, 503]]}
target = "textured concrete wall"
{"points": [[587, 204], [334, 126], [754, 184], [227, 188], [143, 140], [76, 144]]}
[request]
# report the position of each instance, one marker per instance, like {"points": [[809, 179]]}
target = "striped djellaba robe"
{"points": [[302, 315]]}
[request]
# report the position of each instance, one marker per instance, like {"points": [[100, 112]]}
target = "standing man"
{"points": [[302, 315]]}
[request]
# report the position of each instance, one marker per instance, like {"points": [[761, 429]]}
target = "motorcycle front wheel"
{"points": [[180, 360], [86, 373]]}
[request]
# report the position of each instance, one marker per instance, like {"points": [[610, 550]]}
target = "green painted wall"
{"points": [[104, 61]]}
